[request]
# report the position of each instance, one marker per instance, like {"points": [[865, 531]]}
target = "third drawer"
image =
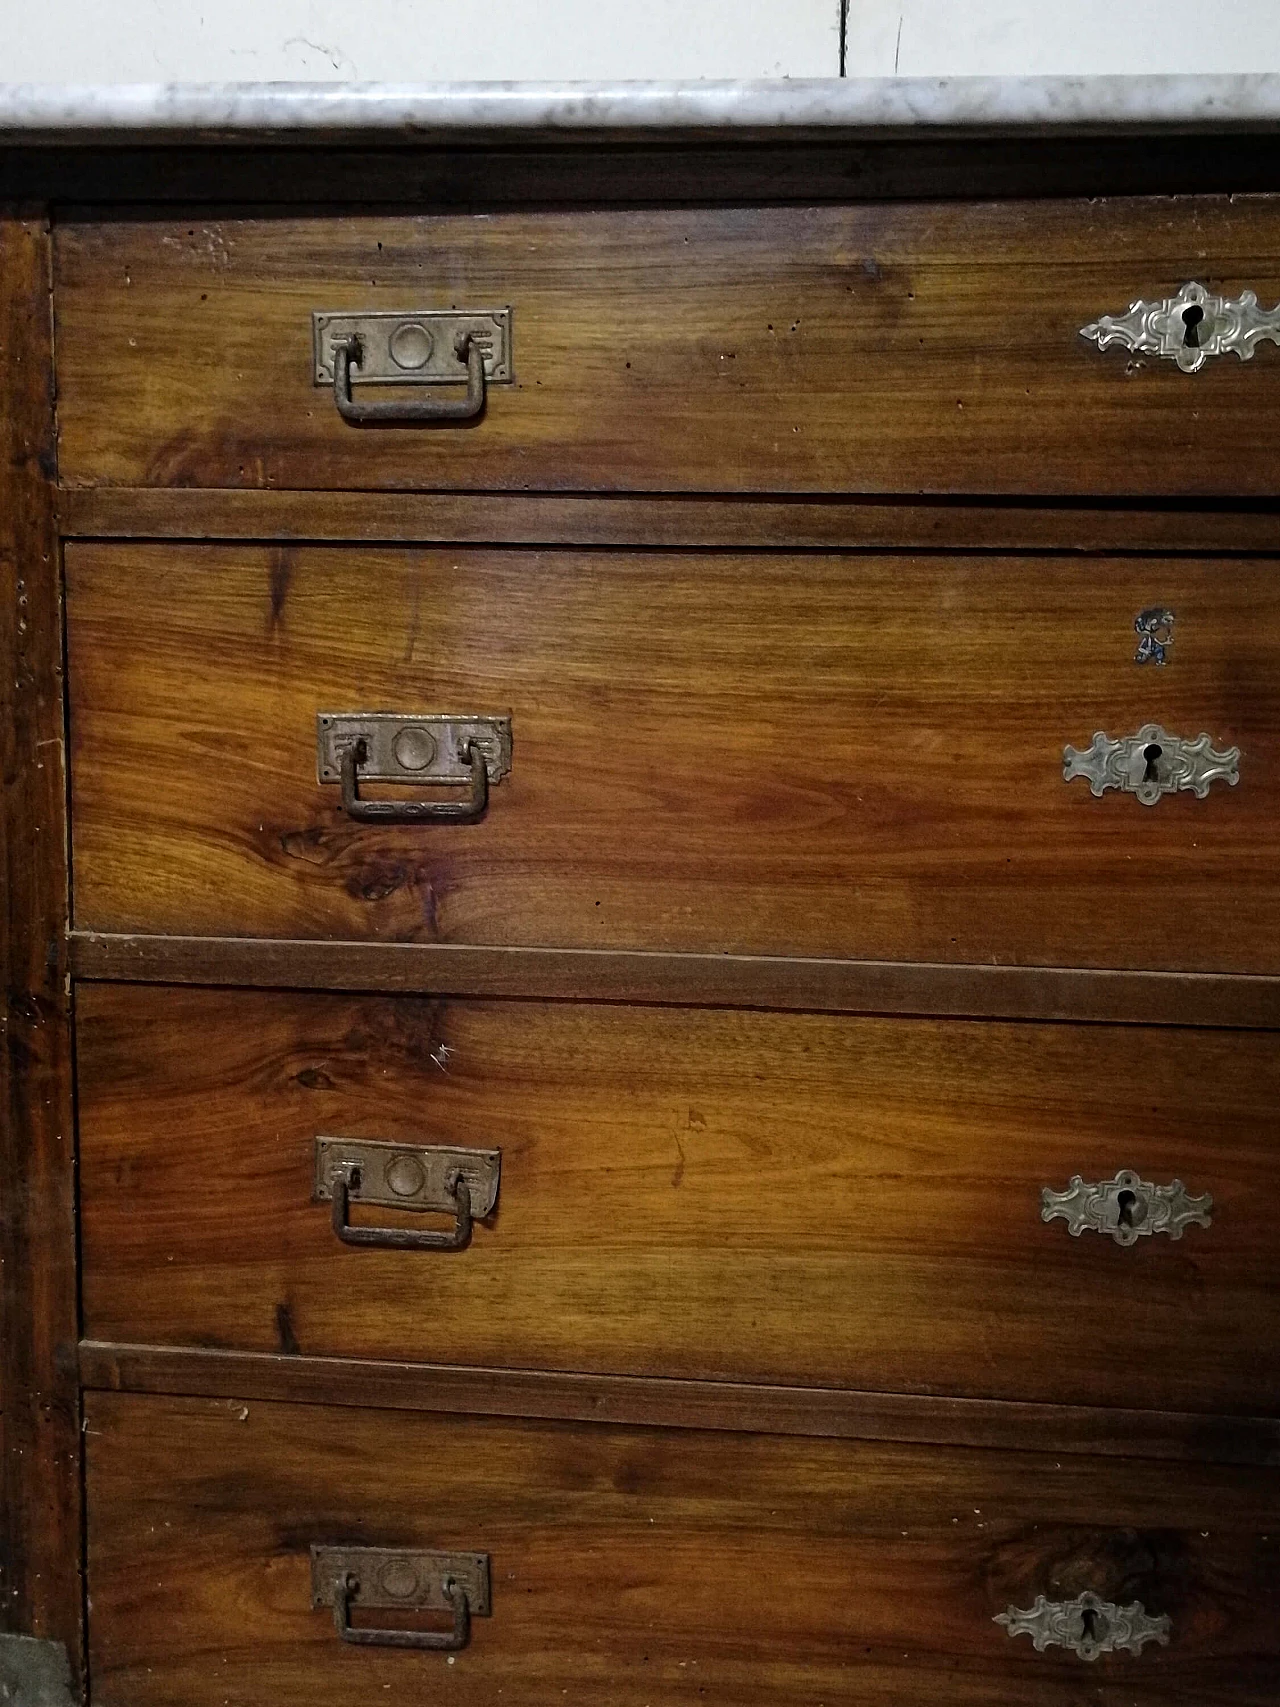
{"points": [[850, 1202]]}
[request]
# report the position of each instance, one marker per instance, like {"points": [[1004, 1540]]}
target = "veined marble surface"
{"points": [[420, 112]]}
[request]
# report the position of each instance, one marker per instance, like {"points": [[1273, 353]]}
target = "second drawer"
{"points": [[788, 755], [781, 1197]]}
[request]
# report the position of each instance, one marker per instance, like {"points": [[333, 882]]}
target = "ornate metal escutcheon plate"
{"points": [[1087, 1625], [1151, 763], [1127, 1207], [1190, 327]]}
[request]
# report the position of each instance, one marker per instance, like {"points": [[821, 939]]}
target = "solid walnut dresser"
{"points": [[642, 914]]}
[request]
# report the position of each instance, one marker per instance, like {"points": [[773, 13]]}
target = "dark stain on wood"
{"points": [[284, 1332], [280, 575]]}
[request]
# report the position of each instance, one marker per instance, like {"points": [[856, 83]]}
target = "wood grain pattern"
{"points": [[703, 980], [819, 756], [752, 1408], [794, 524], [40, 1467], [712, 1195], [649, 1568], [920, 347]]}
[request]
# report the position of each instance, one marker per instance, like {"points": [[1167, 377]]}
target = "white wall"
{"points": [[118, 41], [413, 41], [990, 38]]}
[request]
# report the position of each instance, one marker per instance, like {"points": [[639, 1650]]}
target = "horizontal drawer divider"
{"points": [[706, 522], [739, 1407], [705, 980]]}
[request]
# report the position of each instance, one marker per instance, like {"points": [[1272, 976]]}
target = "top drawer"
{"points": [[896, 349]]}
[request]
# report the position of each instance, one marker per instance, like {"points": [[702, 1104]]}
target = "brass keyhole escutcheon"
{"points": [[1087, 1625], [1151, 763], [1126, 1207], [1189, 329]]}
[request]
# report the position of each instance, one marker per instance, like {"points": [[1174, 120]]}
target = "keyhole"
{"points": [[1093, 1627], [1191, 318], [1151, 754], [1124, 1218]]}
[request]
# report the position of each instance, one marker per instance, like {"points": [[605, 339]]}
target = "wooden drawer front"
{"points": [[905, 349], [831, 756], [843, 1202], [649, 1567]]}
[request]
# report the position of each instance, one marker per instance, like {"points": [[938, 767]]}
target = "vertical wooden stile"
{"points": [[40, 1503]]}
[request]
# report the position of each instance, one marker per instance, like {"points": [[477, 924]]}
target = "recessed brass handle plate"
{"points": [[414, 346], [1151, 764], [1087, 1625], [350, 1579], [1127, 1207], [421, 1177], [425, 749]]}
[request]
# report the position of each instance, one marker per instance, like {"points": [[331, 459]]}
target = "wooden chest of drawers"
{"points": [[644, 1005]]}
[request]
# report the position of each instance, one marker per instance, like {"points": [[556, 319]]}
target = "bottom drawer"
{"points": [[638, 1567]]}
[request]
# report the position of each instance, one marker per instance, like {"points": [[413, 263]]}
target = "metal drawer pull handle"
{"points": [[1151, 764], [1127, 1207], [1087, 1625], [1190, 327], [457, 752], [399, 1238], [422, 1177], [351, 1578], [442, 1641], [465, 811], [412, 346], [350, 353]]}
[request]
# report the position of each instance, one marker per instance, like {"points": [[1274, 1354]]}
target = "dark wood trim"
{"points": [[736, 1406], [587, 171], [740, 524], [703, 980], [40, 1483]]}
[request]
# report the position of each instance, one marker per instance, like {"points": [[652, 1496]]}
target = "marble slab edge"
{"points": [[443, 112]]}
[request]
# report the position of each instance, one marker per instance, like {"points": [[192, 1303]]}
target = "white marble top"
{"points": [[409, 113]]}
